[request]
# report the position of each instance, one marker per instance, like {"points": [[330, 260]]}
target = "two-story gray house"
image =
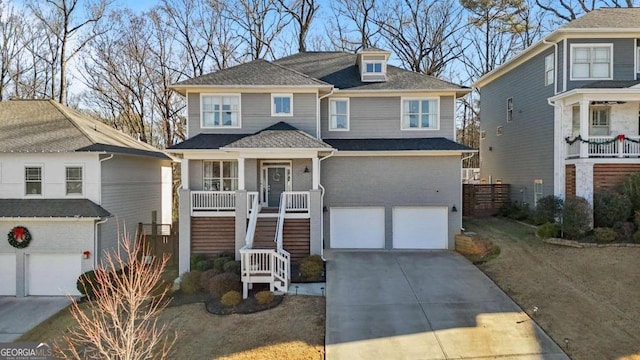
{"points": [[318, 150], [562, 117]]}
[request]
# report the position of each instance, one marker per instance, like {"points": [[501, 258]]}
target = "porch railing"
{"points": [[607, 147], [254, 209], [253, 202], [265, 266], [296, 201], [213, 201]]}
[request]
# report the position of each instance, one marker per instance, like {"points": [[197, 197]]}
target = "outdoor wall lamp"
{"points": [[454, 208], [306, 169]]}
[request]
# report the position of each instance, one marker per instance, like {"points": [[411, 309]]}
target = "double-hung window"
{"points": [[220, 175], [220, 111], [591, 61], [281, 105], [549, 69], [509, 109], [420, 114], [74, 180], [339, 114], [33, 180], [599, 118]]}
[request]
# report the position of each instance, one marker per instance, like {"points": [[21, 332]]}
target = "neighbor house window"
{"points": [[591, 62], [599, 118], [220, 111], [281, 104], [33, 180], [339, 114], [74, 180], [549, 67], [537, 191], [499, 131], [220, 175], [373, 67], [420, 114], [483, 134], [509, 109]]}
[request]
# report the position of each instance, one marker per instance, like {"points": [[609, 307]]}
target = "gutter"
{"points": [[555, 60], [322, 203], [95, 241], [101, 161], [318, 127]]}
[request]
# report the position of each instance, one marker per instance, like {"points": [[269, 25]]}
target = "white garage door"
{"points": [[420, 227], [53, 274], [357, 228], [7, 274]]}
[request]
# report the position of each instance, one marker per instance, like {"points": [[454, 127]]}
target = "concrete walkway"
{"points": [[423, 305], [19, 315]]}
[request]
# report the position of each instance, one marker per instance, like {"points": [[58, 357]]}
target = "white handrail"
{"points": [[280, 225], [213, 200], [251, 195], [253, 220], [265, 265]]}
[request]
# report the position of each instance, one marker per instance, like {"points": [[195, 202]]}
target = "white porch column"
{"points": [[584, 128], [315, 172], [241, 184], [184, 173], [559, 149], [584, 181]]}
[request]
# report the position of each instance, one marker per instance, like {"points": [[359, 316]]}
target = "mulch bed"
{"points": [[296, 278]]}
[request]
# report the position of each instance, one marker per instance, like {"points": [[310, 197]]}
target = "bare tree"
{"points": [[12, 39], [60, 17], [303, 12], [567, 10], [122, 317], [353, 16]]}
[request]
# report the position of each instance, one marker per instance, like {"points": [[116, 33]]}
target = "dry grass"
{"points": [[590, 296], [293, 330]]}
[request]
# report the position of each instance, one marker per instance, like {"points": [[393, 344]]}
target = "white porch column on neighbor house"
{"points": [[184, 231], [241, 185], [315, 172], [584, 181], [584, 127], [184, 173]]}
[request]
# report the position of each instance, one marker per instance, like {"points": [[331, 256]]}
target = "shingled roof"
{"points": [[28, 126], [54, 208], [607, 18], [403, 144]]}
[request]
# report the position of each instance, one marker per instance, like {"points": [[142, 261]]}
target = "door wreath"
{"points": [[19, 237]]}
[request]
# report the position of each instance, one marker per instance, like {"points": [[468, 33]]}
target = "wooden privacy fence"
{"points": [[161, 239], [484, 199]]}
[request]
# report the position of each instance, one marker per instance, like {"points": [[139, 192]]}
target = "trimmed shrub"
{"points": [[87, 284], [624, 231], [514, 211], [636, 218], [636, 237], [604, 235], [631, 189], [576, 217], [548, 210], [195, 258], [264, 297], [610, 208], [311, 267], [226, 254], [207, 277], [190, 283], [203, 265], [548, 230], [218, 263], [232, 267], [223, 283], [231, 298]]}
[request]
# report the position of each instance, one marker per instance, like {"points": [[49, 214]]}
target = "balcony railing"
{"points": [[606, 147], [213, 201], [296, 201]]}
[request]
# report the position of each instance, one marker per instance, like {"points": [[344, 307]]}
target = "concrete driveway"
{"points": [[423, 305], [19, 315]]}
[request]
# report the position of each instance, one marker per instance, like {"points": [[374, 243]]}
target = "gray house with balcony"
{"points": [[317, 150], [562, 117]]}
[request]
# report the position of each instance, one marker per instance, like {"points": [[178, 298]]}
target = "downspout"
{"points": [[318, 127], [555, 59], [322, 203], [95, 242], [101, 161], [461, 185]]}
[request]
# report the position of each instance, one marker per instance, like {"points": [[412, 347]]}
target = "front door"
{"points": [[277, 179]]}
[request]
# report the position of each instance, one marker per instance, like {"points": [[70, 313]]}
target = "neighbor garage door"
{"points": [[53, 274], [420, 227], [7, 274], [357, 228]]}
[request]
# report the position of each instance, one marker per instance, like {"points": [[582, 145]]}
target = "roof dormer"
{"points": [[372, 63]]}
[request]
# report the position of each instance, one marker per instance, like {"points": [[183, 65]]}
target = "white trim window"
{"points": [[599, 119], [73, 180], [591, 61], [281, 104], [219, 175], [420, 114], [373, 66], [538, 192], [509, 109], [549, 69], [499, 131], [339, 114], [219, 111], [33, 180]]}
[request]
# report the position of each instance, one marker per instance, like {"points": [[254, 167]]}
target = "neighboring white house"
{"points": [[68, 184]]}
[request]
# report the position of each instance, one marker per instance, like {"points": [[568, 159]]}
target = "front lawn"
{"points": [[590, 296], [293, 330]]}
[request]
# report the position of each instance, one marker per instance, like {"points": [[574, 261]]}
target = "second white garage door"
{"points": [[420, 227], [357, 228], [8, 274], [53, 274]]}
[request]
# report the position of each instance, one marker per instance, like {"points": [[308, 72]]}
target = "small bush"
{"points": [[636, 218], [232, 267], [218, 263], [548, 230], [190, 283], [631, 190], [195, 258], [548, 210], [223, 283], [610, 208], [576, 217], [514, 211], [264, 297], [226, 254], [636, 237], [87, 284], [203, 265], [207, 277], [624, 231], [231, 298], [311, 267], [604, 235]]}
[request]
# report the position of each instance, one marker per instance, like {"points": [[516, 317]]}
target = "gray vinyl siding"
{"points": [[380, 117], [131, 190], [255, 113], [623, 57], [560, 70], [525, 150], [392, 181]]}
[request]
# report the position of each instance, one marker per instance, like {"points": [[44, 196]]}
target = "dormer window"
{"points": [[372, 63], [373, 67]]}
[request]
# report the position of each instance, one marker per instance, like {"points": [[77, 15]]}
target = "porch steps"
{"points": [[265, 233], [296, 238]]}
